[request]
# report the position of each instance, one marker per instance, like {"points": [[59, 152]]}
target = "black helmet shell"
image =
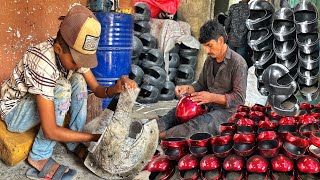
{"points": [[278, 81], [142, 12]]}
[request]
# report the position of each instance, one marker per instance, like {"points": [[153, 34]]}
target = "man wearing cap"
{"points": [[50, 79]]}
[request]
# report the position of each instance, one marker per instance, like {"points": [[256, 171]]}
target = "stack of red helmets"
{"points": [[268, 144], [255, 143]]}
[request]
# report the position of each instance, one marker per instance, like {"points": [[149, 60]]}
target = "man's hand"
{"points": [[202, 97], [184, 90], [125, 82]]}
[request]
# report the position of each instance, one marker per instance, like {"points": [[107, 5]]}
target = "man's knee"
{"points": [[79, 86], [62, 89], [62, 95]]}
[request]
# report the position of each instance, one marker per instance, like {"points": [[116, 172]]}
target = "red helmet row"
{"points": [[210, 167]]}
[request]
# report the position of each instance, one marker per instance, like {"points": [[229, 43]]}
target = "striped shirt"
{"points": [[36, 73]]}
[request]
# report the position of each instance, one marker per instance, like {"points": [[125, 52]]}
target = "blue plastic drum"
{"points": [[114, 49]]}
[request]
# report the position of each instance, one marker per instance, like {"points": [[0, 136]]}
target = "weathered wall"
{"points": [[196, 13], [25, 22]]}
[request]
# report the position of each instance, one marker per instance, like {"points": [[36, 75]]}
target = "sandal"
{"points": [[60, 173]]}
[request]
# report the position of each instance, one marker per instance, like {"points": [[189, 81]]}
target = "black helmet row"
{"points": [[154, 87], [284, 43], [307, 38], [260, 15], [305, 17], [260, 39], [283, 26], [141, 18]]}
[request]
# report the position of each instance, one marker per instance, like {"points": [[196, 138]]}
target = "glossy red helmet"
{"points": [[256, 115], [258, 107], [308, 164], [257, 164], [287, 121], [267, 124], [161, 168], [274, 115], [209, 162], [245, 122], [187, 109], [233, 163], [315, 138], [159, 164], [282, 163], [239, 115], [244, 138], [305, 119], [306, 106], [267, 135], [188, 162], [297, 139], [243, 108]]}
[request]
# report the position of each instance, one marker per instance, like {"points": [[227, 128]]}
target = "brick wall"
{"points": [[25, 22]]}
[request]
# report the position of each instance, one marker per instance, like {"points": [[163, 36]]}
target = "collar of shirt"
{"points": [[228, 56], [60, 66]]}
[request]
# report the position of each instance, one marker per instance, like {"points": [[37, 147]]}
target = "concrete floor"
{"points": [[60, 154], [140, 112]]}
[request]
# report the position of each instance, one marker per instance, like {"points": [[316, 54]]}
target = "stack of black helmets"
{"points": [[141, 19], [260, 38], [307, 37], [185, 71], [147, 68], [284, 43]]}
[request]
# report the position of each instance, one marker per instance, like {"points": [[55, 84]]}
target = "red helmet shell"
{"points": [[242, 108], [209, 162], [306, 106], [267, 124], [159, 164], [187, 162], [306, 119], [267, 135], [187, 109], [282, 163], [287, 121], [308, 164], [245, 122], [257, 164], [233, 163]]}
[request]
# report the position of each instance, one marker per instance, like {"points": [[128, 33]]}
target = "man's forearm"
{"points": [[219, 99]]}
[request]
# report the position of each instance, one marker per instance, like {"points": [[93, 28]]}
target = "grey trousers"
{"points": [[209, 122]]}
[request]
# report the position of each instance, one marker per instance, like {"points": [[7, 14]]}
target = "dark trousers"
{"points": [[209, 122]]}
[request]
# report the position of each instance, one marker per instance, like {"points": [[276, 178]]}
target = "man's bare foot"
{"points": [[81, 151], [40, 164]]}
